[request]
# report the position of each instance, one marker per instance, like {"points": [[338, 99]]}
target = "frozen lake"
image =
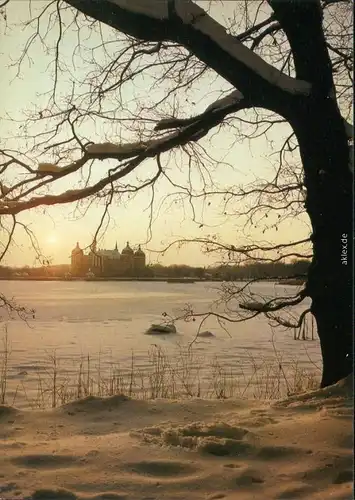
{"points": [[107, 321]]}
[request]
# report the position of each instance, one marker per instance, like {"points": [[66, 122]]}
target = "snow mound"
{"points": [[340, 394], [160, 329], [206, 334], [218, 439]]}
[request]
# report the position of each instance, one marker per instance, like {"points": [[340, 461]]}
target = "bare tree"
{"points": [[269, 72]]}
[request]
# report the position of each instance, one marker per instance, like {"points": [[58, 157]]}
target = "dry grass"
{"points": [[182, 375], [4, 366]]}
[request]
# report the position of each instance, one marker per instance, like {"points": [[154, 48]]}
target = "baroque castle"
{"points": [[108, 262]]}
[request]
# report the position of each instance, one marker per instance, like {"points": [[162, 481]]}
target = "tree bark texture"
{"points": [[325, 155]]}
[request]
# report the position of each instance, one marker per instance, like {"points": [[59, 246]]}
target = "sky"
{"points": [[60, 227]]}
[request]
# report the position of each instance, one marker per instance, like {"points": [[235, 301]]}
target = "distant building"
{"points": [[101, 262], [78, 261]]}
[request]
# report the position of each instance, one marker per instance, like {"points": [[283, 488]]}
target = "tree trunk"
{"points": [[325, 155]]}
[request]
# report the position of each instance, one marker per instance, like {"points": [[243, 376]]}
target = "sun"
{"points": [[52, 239]]}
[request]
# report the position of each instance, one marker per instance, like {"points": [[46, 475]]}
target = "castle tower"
{"points": [[127, 258], [77, 261], [139, 260]]}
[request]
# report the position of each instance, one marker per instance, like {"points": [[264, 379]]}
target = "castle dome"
{"points": [[127, 250], [139, 252], [77, 250]]}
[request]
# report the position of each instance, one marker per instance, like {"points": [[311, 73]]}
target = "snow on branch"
{"points": [[142, 19], [117, 151], [219, 109], [253, 306], [193, 128], [274, 304], [227, 102], [48, 168]]}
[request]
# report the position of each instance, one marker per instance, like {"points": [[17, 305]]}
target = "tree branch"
{"points": [[137, 151], [274, 304], [217, 111], [186, 23]]}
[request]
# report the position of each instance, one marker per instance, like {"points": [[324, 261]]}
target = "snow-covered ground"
{"points": [[121, 449]]}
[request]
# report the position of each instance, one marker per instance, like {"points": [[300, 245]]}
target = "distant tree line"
{"points": [[253, 270], [231, 272]]}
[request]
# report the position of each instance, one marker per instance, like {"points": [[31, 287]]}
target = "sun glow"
{"points": [[52, 239]]}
